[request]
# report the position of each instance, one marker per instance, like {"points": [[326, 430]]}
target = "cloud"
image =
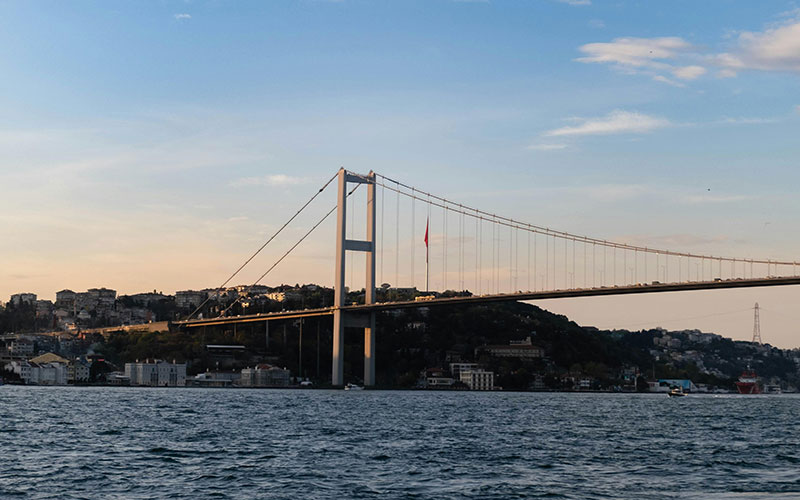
{"points": [[668, 81], [634, 52], [746, 121], [650, 56], [269, 180], [775, 49], [689, 72], [597, 23], [616, 122], [181, 17], [576, 2], [797, 108], [546, 147]]}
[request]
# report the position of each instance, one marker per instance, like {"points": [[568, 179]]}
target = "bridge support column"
{"points": [[337, 377], [369, 352], [340, 319]]}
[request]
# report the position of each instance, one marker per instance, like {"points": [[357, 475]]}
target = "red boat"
{"points": [[748, 383]]}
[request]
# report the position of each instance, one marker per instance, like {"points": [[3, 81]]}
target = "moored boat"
{"points": [[748, 383], [353, 387]]}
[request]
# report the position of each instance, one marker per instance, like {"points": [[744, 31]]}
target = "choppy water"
{"points": [[130, 443]]}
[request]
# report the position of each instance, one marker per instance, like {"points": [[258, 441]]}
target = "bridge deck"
{"points": [[479, 299]]}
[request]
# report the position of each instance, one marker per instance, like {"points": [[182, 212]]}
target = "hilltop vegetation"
{"points": [[409, 342]]}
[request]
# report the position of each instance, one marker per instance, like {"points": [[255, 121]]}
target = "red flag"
{"points": [[426, 232]]}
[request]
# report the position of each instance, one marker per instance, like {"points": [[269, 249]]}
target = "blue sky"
{"points": [[154, 144]]}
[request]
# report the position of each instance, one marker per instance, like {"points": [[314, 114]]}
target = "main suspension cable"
{"points": [[293, 217], [286, 254]]}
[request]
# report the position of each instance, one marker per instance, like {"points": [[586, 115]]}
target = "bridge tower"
{"points": [[341, 319]]}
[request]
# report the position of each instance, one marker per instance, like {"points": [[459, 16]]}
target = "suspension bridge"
{"points": [[480, 256]]}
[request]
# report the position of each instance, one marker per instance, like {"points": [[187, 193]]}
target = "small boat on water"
{"points": [[676, 392], [353, 387], [748, 382]]}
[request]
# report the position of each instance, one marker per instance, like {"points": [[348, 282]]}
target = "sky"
{"points": [[156, 145]]}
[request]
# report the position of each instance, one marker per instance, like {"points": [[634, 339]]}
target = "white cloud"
{"points": [[576, 2], [616, 122], [546, 147], [634, 52], [269, 180], [775, 49], [746, 121], [668, 81], [649, 56], [689, 72], [181, 17]]}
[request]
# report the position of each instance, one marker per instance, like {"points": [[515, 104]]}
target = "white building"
{"points": [[478, 380], [156, 373], [457, 368], [78, 371], [40, 374]]}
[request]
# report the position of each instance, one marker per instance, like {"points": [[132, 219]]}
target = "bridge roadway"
{"points": [[480, 299]]}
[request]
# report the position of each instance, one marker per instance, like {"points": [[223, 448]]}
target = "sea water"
{"points": [[140, 443]]}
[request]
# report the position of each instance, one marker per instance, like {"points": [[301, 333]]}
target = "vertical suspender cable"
{"points": [[413, 239], [480, 254], [444, 248], [547, 262], [529, 261], [397, 242], [383, 230]]}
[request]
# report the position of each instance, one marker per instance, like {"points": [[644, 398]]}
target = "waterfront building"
{"points": [[156, 373], [478, 380], [78, 371], [39, 374], [457, 368], [49, 357], [265, 375]]}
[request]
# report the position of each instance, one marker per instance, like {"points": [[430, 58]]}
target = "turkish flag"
{"points": [[426, 232]]}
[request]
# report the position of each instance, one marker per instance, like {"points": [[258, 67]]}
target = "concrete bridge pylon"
{"points": [[342, 319]]}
